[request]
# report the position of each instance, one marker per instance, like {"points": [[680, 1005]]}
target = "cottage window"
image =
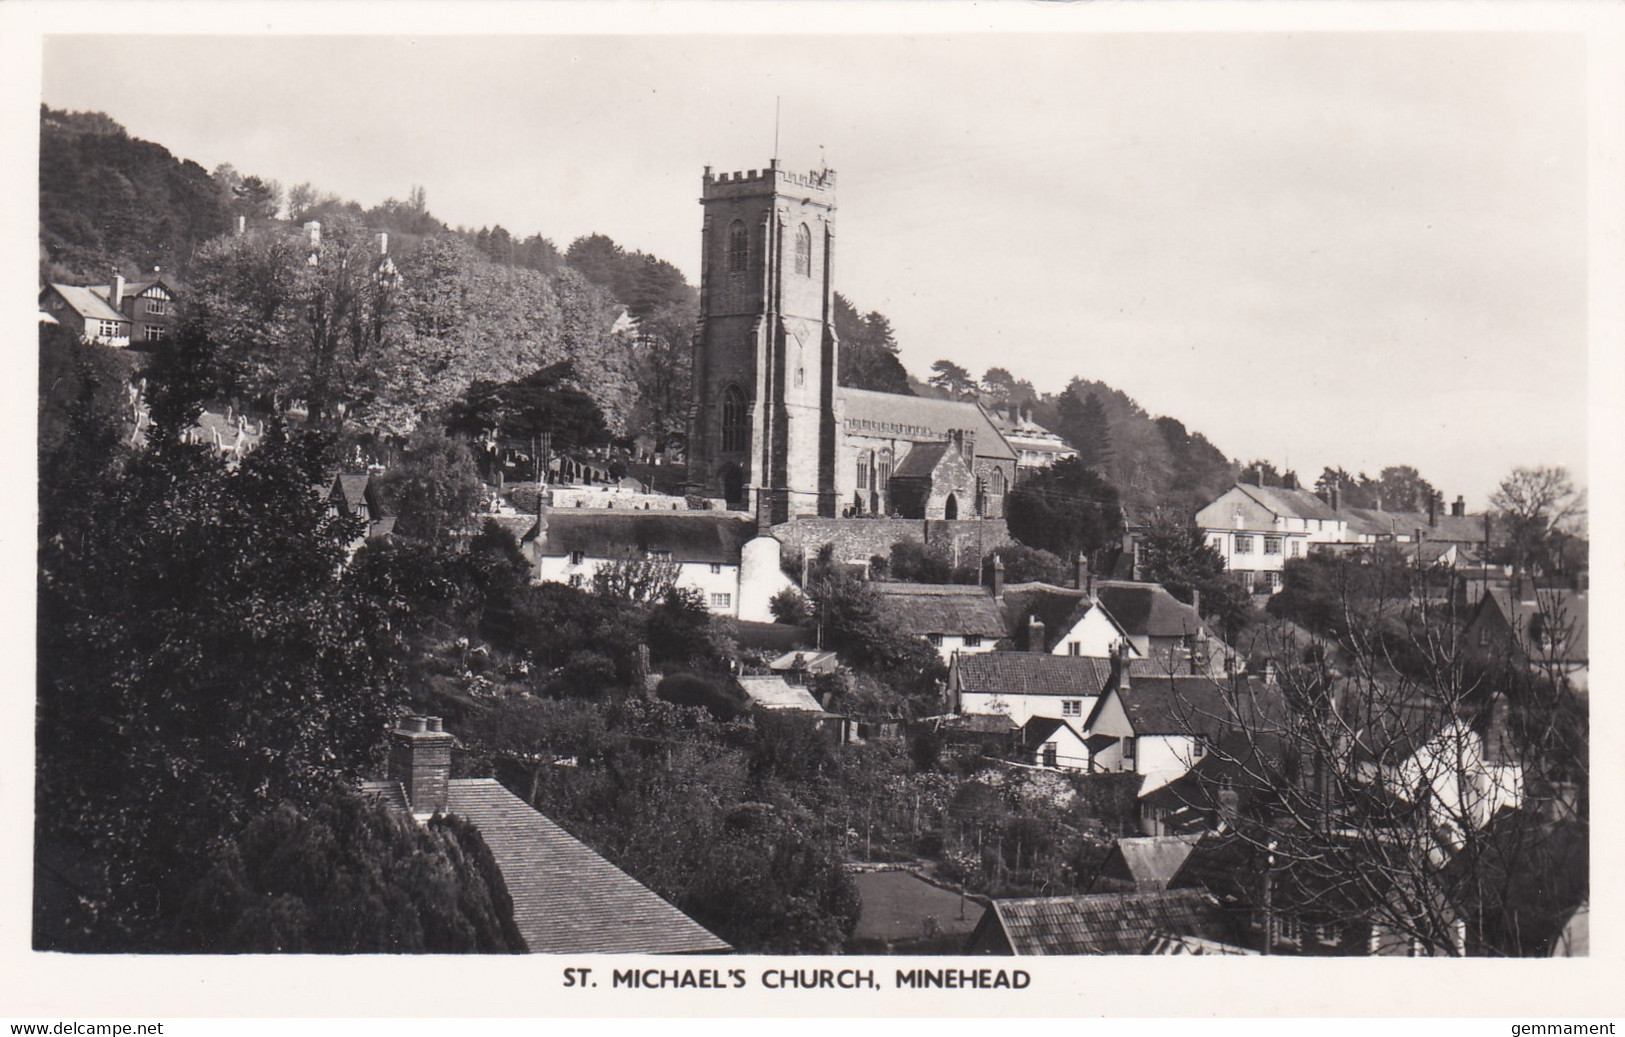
{"points": [[735, 431], [155, 333], [109, 329], [158, 307], [576, 557], [1244, 544], [1297, 549], [804, 251], [722, 601], [1052, 755], [1272, 545], [738, 248], [972, 641], [1072, 707], [576, 580], [935, 639], [1128, 753], [1074, 648], [716, 568]]}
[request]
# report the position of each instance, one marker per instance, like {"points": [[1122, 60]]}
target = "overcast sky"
{"points": [[1335, 248]]}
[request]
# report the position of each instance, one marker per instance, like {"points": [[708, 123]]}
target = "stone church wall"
{"points": [[862, 538]]}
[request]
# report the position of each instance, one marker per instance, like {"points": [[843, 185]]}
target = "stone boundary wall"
{"points": [[859, 539], [565, 498]]}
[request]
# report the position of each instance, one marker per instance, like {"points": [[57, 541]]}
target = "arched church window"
{"points": [[735, 430], [998, 482], [738, 248], [804, 251]]}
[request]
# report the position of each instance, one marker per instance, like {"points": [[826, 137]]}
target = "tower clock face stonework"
{"points": [[762, 432]]}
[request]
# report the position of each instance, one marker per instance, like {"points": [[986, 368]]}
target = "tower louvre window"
{"points": [[738, 248], [804, 251], [735, 432]]}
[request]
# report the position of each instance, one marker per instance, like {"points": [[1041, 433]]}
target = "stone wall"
{"points": [[859, 539], [606, 497]]}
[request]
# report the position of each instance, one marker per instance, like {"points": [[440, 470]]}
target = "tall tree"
{"points": [[1537, 508], [202, 657], [951, 379], [868, 358], [1402, 488], [1065, 509]]}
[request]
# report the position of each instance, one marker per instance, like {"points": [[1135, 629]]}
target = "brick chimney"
{"points": [[998, 576], [1080, 573], [1337, 495], [115, 293], [420, 759], [1035, 635], [1459, 508], [1115, 654], [1433, 509], [242, 226]]}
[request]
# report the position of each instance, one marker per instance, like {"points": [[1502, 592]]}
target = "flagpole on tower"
{"points": [[776, 100]]}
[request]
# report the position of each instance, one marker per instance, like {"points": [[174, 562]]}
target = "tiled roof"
{"points": [[942, 608], [689, 536], [774, 692], [566, 898], [1029, 673], [865, 406], [88, 304], [1289, 503], [1107, 923], [1147, 609]]}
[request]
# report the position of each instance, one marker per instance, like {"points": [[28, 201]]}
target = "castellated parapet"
{"points": [[817, 186]]}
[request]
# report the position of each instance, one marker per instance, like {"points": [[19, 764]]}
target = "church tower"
{"points": [[762, 429]]}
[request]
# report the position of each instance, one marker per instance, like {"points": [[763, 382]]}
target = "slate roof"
{"points": [[1289, 503], [88, 304], [770, 691], [354, 489], [1456, 529], [1148, 862], [1182, 705], [921, 461], [689, 536], [566, 898], [1147, 609], [942, 608], [1105, 923], [805, 662], [1567, 609], [1028, 673], [940, 416], [1038, 730]]}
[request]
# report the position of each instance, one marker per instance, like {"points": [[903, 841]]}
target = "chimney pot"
{"points": [[1035, 635], [1459, 508], [116, 294], [420, 759]]}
